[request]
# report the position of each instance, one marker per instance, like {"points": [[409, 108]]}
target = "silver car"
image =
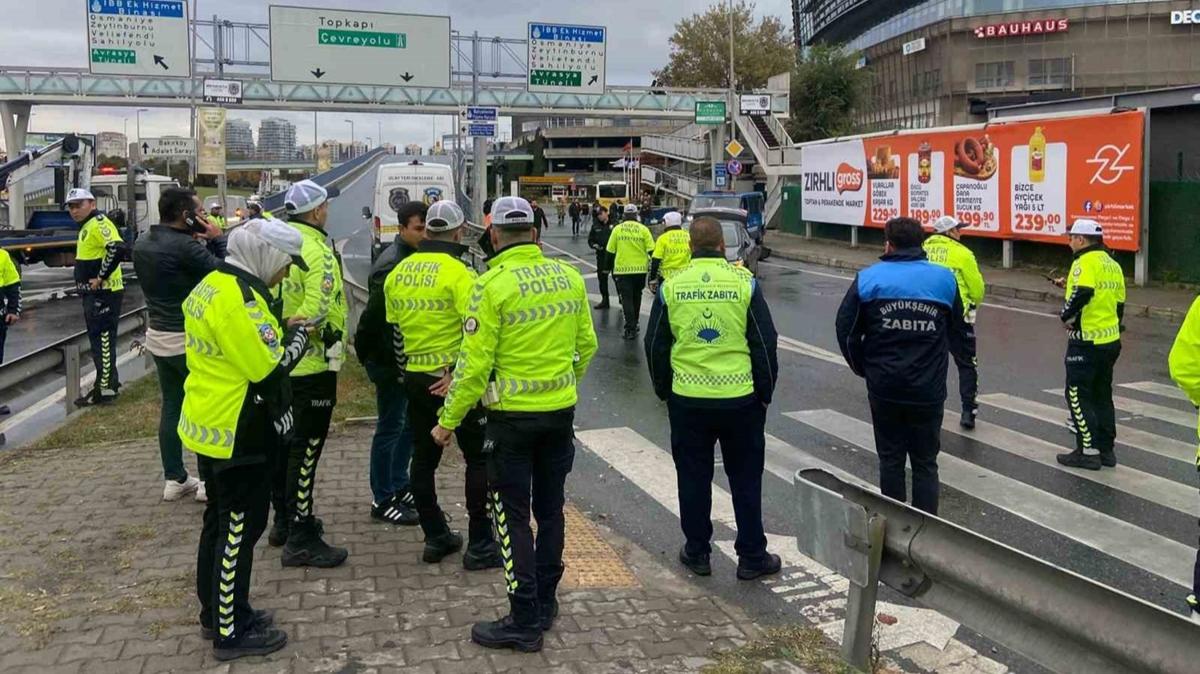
{"points": [[739, 245]]}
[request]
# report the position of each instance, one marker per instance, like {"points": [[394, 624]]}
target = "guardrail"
{"points": [[1059, 619], [62, 358], [333, 176]]}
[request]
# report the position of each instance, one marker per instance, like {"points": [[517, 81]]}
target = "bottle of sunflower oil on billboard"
{"points": [[1037, 156]]}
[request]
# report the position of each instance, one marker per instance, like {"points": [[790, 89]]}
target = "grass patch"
{"points": [[133, 416], [804, 646], [356, 393]]}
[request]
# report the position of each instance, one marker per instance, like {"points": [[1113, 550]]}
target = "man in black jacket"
{"points": [[539, 217], [392, 445], [598, 241], [711, 349], [170, 261], [893, 328]]}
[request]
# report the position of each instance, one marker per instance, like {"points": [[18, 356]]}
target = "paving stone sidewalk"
{"points": [[97, 575]]}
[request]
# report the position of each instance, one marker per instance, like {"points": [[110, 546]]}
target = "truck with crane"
{"points": [[37, 229]]}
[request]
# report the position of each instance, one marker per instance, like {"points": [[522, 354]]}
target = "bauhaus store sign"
{"points": [[1012, 28]]}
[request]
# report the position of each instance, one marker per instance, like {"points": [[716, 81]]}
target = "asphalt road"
{"points": [[1132, 528]]}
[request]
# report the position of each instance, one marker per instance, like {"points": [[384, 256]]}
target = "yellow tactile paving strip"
{"points": [[590, 561]]}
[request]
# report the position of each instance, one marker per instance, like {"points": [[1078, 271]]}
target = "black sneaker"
{"points": [[697, 564], [547, 612], [478, 560], [406, 499], [258, 641], [1078, 459], [96, 398], [1108, 458], [4, 410], [768, 566], [602, 305], [263, 619], [279, 533], [440, 546], [305, 547], [505, 633], [967, 420], [393, 511]]}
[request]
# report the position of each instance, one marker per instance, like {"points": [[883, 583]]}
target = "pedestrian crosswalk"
{"points": [[1014, 435]]}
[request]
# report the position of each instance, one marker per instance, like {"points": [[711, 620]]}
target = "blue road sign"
{"points": [[481, 129], [734, 167], [480, 114]]}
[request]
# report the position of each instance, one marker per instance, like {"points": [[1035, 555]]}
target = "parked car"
{"points": [[753, 203], [740, 247]]}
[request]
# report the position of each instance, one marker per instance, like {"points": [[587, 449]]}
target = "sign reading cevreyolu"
{"points": [[1018, 180]]}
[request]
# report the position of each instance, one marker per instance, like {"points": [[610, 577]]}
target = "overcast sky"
{"points": [[637, 43]]}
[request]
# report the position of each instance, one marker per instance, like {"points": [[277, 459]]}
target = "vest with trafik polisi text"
{"points": [[427, 295], [707, 305], [674, 249], [1098, 322]]}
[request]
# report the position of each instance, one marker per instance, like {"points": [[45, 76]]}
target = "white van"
{"points": [[398, 184]]}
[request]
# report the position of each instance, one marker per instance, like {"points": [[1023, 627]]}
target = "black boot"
{"points": [[257, 641], [697, 564], [506, 633], [439, 546], [603, 303], [263, 618], [547, 612], [479, 556], [1108, 458], [1077, 459], [757, 568], [279, 532], [305, 547], [967, 420]]}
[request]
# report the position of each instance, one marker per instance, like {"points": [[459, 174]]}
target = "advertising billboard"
{"points": [[1021, 180]]}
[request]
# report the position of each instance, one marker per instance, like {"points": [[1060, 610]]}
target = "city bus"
{"points": [[610, 191]]}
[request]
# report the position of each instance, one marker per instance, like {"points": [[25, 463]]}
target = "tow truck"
{"points": [[48, 234]]}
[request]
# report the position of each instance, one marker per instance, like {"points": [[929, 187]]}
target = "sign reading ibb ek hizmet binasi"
{"points": [[332, 46]]}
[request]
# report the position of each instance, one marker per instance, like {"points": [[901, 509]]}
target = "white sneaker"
{"points": [[201, 494], [173, 491]]}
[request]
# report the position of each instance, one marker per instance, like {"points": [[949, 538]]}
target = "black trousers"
{"points": [[423, 409], [629, 289], [912, 432], [962, 349], [1089, 395], [529, 457], [602, 273], [101, 313], [294, 478], [3, 335], [695, 432], [234, 519]]}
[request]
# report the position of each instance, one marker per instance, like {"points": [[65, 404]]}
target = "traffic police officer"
{"points": [[316, 296], [1092, 314], [672, 251], [1184, 363], [711, 348], [236, 407], [10, 302], [427, 296], [216, 216], [944, 247], [98, 256], [630, 244], [528, 339]]}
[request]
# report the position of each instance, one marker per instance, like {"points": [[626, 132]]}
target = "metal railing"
{"points": [[63, 358], [1057, 618], [676, 147]]}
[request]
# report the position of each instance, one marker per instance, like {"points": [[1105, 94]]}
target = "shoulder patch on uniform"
{"points": [[100, 217], [471, 325], [268, 335], [327, 283], [1077, 271]]}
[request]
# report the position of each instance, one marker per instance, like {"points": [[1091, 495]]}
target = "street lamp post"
{"points": [[351, 123]]}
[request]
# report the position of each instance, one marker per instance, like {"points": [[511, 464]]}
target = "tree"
{"points": [[700, 49], [828, 88]]}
